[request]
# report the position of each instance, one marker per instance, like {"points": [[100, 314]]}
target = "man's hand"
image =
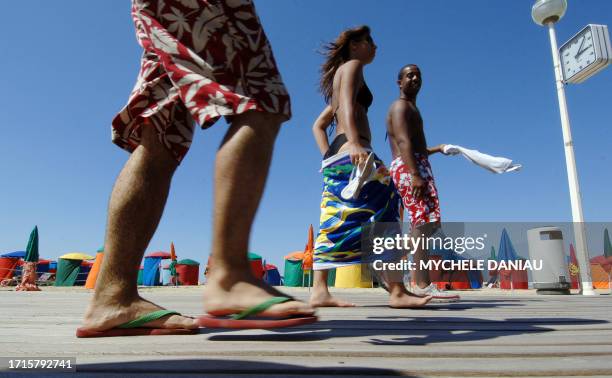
{"points": [[441, 149], [419, 186], [358, 153]]}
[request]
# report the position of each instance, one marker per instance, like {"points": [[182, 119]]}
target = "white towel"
{"points": [[494, 164]]}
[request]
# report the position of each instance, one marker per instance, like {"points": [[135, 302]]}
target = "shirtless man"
{"points": [[412, 174]]}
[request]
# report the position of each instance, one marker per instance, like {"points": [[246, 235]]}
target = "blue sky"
{"points": [[69, 66]]}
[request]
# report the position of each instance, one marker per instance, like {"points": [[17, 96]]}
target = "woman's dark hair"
{"points": [[336, 53]]}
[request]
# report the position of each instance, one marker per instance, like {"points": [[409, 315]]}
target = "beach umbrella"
{"points": [[607, 244], [307, 261], [32, 248], [76, 256], [506, 250], [492, 257], [574, 270], [573, 261], [173, 264], [28, 276]]}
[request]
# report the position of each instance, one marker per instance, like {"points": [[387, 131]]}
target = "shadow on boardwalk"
{"points": [[410, 330], [231, 368]]}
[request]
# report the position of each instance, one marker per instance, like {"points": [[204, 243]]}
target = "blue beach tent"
{"points": [[271, 275], [17, 254], [151, 274], [151, 271]]}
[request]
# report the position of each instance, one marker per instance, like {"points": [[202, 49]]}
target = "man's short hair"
{"points": [[399, 74]]}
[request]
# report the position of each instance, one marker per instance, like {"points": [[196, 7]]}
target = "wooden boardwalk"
{"points": [[488, 333]]}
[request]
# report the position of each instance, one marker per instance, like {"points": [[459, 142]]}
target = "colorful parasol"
{"points": [[173, 264]]}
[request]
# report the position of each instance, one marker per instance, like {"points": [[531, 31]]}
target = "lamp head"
{"points": [[545, 12]]}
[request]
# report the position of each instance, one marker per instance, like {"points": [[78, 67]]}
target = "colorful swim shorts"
{"points": [[202, 59], [421, 210]]}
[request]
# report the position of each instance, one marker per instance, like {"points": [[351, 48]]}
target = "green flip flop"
{"points": [[248, 318], [135, 327]]}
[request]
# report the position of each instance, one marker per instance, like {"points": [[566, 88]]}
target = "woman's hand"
{"points": [[358, 153]]}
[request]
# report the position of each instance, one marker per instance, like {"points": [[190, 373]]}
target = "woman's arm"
{"points": [[319, 128]]}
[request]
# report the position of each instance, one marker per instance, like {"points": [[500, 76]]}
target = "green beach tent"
{"points": [[331, 277], [188, 262], [188, 271], [67, 272], [293, 269], [69, 267], [293, 274]]}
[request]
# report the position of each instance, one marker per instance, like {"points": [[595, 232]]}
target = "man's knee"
{"points": [[266, 125], [155, 151]]}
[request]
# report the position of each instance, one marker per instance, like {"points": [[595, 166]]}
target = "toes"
{"points": [[292, 308], [178, 321]]}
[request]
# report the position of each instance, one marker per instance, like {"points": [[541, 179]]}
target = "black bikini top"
{"points": [[365, 97]]}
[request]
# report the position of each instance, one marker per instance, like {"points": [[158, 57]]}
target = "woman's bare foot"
{"points": [[233, 293], [106, 312], [323, 298]]}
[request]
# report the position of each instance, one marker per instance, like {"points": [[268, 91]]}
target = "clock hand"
{"points": [[580, 52], [580, 47]]}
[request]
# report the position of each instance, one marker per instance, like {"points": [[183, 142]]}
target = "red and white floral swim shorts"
{"points": [[202, 59], [421, 210]]}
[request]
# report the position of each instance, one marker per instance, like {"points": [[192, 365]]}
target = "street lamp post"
{"points": [[546, 13]]}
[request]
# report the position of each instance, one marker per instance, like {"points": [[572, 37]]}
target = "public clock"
{"points": [[586, 53]]}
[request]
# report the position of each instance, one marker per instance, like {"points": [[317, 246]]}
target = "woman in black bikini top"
{"points": [[344, 88]]}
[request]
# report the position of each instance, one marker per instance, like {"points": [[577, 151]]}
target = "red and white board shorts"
{"points": [[421, 210], [202, 60]]}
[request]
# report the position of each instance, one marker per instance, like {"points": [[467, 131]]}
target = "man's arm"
{"points": [[439, 148], [400, 113], [320, 126]]}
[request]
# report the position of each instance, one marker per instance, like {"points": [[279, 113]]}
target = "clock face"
{"points": [[578, 53]]}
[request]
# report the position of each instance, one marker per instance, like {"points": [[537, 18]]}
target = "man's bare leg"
{"points": [[241, 170], [421, 276], [321, 297], [135, 208]]}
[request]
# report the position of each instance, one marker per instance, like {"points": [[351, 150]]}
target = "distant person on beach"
{"points": [[372, 199], [202, 60], [412, 173]]}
